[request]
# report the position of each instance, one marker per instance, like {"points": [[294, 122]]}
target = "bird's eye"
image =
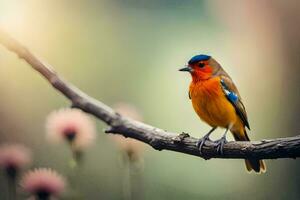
{"points": [[201, 64]]}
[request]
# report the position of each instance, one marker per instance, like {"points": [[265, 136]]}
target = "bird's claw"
{"points": [[220, 145], [201, 143]]}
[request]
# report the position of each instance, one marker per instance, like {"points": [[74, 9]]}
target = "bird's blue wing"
{"points": [[234, 98]]}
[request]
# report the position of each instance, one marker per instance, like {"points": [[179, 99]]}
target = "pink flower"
{"points": [[133, 148], [43, 183], [71, 125], [14, 157]]}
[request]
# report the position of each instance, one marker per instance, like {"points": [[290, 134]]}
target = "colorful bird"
{"points": [[217, 102]]}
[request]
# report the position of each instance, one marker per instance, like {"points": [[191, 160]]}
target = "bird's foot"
{"points": [[201, 142], [220, 144]]}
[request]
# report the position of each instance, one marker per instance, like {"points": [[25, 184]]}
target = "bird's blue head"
{"points": [[198, 58], [200, 67]]}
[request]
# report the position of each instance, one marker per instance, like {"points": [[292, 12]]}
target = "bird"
{"points": [[216, 100]]}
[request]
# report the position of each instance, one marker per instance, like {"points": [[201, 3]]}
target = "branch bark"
{"points": [[155, 137]]}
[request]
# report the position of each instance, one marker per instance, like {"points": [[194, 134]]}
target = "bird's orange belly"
{"points": [[211, 105]]}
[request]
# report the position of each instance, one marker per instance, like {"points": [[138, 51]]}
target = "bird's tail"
{"points": [[258, 166]]}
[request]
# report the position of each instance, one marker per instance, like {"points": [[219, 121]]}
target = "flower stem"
{"points": [[11, 174], [127, 193], [12, 194]]}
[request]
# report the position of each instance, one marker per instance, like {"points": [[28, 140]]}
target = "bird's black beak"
{"points": [[186, 69]]}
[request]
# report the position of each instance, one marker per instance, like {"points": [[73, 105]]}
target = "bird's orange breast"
{"points": [[210, 103]]}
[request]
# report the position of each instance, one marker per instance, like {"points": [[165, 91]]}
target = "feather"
{"points": [[234, 98]]}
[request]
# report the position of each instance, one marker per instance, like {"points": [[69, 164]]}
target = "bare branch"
{"points": [[157, 138]]}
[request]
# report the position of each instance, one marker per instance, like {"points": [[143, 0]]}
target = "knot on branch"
{"points": [[109, 130], [157, 144], [280, 146], [179, 139]]}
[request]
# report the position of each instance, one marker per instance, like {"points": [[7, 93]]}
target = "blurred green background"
{"points": [[130, 51]]}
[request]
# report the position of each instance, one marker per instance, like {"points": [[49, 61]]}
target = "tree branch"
{"points": [[157, 138]]}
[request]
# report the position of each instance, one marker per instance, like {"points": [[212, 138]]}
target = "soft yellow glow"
{"points": [[13, 16]]}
